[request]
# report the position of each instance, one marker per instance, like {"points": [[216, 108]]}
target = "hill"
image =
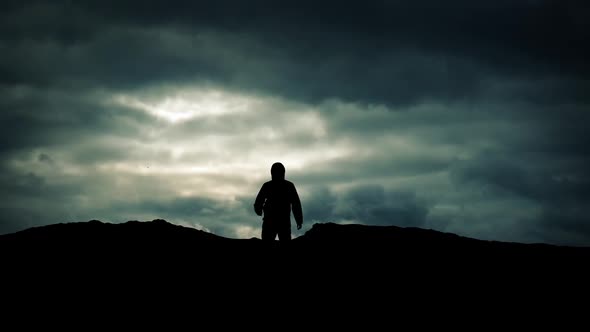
{"points": [[358, 244], [335, 261], [332, 251]]}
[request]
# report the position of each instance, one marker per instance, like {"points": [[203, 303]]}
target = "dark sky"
{"points": [[461, 116]]}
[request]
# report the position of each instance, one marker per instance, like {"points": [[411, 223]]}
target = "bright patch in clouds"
{"points": [[188, 104], [211, 134], [194, 142]]}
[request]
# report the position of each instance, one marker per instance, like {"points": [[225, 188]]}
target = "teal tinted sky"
{"points": [[458, 116]]}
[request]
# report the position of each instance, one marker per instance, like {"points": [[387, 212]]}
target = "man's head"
{"points": [[277, 171]]}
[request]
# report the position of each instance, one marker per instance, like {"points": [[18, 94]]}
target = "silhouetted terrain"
{"points": [[355, 244], [367, 259]]}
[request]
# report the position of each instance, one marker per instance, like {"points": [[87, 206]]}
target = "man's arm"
{"points": [[259, 203], [296, 206]]}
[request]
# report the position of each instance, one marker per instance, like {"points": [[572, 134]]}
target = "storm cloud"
{"points": [[458, 116]]}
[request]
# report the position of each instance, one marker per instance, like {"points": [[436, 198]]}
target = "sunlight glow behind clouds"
{"points": [[187, 105], [200, 132], [216, 143]]}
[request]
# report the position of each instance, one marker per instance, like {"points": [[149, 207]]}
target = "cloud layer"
{"points": [[456, 116]]}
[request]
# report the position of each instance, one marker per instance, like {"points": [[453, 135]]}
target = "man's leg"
{"points": [[285, 231], [269, 231]]}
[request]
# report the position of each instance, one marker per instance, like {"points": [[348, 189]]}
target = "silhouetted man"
{"points": [[275, 199]]}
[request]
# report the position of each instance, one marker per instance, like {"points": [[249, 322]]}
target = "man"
{"points": [[276, 199]]}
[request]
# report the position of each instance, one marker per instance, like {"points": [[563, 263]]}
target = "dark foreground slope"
{"points": [[331, 245], [351, 266]]}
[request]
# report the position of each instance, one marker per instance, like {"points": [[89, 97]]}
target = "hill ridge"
{"points": [[321, 231]]}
